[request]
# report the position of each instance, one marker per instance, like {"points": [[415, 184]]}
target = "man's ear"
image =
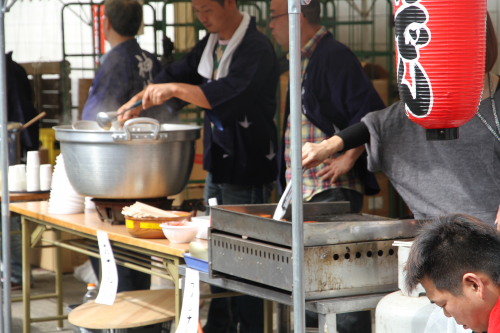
{"points": [[230, 3], [106, 23], [472, 283]]}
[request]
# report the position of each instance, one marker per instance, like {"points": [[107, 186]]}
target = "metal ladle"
{"points": [[105, 119]]}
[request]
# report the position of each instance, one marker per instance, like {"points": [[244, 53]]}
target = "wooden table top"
{"points": [[131, 309], [28, 196], [90, 223]]}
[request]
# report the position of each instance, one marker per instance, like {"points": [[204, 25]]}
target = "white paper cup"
{"points": [[15, 183], [33, 158], [21, 174], [32, 178], [45, 177]]}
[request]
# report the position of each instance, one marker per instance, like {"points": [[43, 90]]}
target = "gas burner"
{"points": [[110, 210]]}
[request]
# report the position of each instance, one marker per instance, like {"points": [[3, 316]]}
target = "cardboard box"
{"points": [[46, 257]]}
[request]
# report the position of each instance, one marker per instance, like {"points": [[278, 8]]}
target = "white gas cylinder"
{"points": [[397, 313]]}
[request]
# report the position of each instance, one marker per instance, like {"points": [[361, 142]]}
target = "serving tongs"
{"points": [[283, 203]]}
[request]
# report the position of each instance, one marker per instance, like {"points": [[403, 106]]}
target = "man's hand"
{"points": [[134, 113], [335, 167], [156, 94], [339, 166], [314, 154]]}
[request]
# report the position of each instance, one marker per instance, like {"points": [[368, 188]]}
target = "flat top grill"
{"points": [[345, 254], [333, 224]]}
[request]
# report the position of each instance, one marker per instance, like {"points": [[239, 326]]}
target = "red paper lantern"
{"points": [[440, 61]]}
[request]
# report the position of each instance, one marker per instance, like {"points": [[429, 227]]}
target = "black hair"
{"points": [[451, 246], [312, 12], [125, 16]]}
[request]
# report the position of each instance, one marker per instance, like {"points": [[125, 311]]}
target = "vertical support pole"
{"points": [[4, 151], [294, 17]]}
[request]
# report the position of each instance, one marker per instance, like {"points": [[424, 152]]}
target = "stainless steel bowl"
{"points": [[144, 160]]}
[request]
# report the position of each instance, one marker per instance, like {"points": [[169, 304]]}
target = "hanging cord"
{"points": [[494, 110]]}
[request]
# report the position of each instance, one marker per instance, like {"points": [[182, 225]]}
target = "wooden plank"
{"points": [[53, 100], [36, 68], [131, 309], [28, 196], [50, 85]]}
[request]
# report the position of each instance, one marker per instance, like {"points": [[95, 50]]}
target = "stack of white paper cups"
{"points": [[33, 171], [63, 197]]}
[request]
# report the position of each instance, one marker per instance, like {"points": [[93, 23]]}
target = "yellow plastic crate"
{"points": [[48, 139]]}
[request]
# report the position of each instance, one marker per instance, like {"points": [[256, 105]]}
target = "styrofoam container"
{"points": [[203, 223]]}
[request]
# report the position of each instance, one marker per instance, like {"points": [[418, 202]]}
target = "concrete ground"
{"points": [[74, 290], [43, 282]]}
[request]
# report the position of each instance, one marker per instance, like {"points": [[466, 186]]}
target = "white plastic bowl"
{"points": [[180, 233]]}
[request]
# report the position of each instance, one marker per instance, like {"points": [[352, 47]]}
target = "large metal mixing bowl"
{"points": [[145, 160]]}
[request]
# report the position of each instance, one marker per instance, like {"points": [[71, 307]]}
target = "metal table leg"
{"points": [[26, 241], [268, 316], [172, 266], [59, 279], [327, 323], [283, 312]]}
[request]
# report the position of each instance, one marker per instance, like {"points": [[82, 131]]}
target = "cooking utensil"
{"points": [[14, 142], [35, 119], [14, 130], [284, 201], [105, 119], [143, 160]]}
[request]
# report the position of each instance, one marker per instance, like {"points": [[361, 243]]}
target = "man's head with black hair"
{"points": [[125, 16]]}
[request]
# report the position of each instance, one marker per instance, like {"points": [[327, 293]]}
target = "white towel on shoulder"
{"points": [[206, 65]]}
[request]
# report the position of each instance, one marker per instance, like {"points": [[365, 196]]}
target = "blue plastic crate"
{"points": [[195, 263]]}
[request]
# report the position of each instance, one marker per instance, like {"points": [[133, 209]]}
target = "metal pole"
{"points": [[294, 16], [4, 153]]}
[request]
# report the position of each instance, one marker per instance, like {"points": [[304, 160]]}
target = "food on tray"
{"points": [[142, 222], [269, 216], [141, 210]]}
